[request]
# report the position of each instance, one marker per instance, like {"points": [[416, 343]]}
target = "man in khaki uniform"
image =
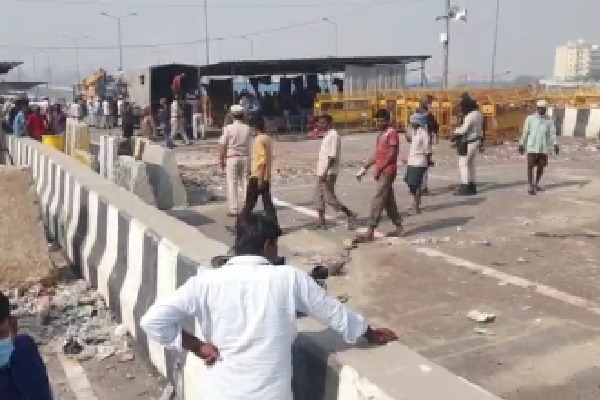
{"points": [[234, 155]]}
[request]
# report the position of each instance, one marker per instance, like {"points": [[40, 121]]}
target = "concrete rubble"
{"points": [[74, 319]]}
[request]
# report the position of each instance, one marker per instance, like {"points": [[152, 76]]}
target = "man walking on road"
{"points": [[538, 139], [385, 161], [246, 312], [433, 129], [260, 173], [328, 169], [234, 151]]}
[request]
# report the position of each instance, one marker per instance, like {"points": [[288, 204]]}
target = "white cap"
{"points": [[236, 109], [542, 104]]}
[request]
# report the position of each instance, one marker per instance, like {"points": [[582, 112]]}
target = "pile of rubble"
{"points": [[74, 318]]}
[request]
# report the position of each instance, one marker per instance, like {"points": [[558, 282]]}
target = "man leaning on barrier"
{"points": [[247, 313]]}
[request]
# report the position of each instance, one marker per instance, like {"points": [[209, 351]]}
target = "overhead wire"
{"points": [[184, 43]]}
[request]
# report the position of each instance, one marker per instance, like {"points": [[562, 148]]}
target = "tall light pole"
{"points": [[493, 76], [118, 18], [452, 12], [206, 38], [246, 38], [76, 40], [335, 31]]}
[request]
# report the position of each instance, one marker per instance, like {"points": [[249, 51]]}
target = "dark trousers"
{"points": [[252, 194]]}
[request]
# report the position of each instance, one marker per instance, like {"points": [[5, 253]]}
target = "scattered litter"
{"points": [[104, 352], [483, 331], [459, 229], [72, 347], [130, 376], [121, 331], [429, 240], [126, 357], [521, 260], [481, 317], [537, 321], [502, 283], [349, 244], [425, 368], [343, 298], [481, 242]]}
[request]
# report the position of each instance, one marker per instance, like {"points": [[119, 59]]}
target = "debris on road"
{"points": [[481, 317], [483, 331]]}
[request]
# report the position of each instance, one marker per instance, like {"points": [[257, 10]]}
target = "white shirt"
{"points": [[105, 107], [247, 309], [236, 138], [120, 106], [175, 110], [472, 126], [331, 147], [420, 146], [75, 110]]}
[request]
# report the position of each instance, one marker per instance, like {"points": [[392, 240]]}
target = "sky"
{"points": [[529, 31]]}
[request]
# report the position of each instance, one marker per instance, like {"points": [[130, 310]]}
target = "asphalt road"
{"points": [[532, 261]]}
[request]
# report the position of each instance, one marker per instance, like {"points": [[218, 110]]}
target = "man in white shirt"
{"points": [[75, 110], [234, 156], [119, 111], [468, 138], [105, 114], [418, 157], [328, 169], [246, 311], [177, 126]]}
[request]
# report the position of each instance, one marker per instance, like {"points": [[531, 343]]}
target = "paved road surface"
{"points": [[460, 254]]}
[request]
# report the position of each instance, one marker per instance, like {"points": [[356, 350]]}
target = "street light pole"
{"points": [[251, 46], [76, 41], [206, 38], [335, 29], [447, 46], [493, 76], [119, 33]]}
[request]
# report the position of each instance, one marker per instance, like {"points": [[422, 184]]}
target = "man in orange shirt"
{"points": [[36, 124], [176, 85]]}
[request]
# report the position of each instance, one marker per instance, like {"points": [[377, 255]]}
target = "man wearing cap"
{"points": [[538, 139], [468, 138], [234, 153]]}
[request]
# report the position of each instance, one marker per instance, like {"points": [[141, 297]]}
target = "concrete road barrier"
{"points": [[576, 122], [164, 177], [133, 254]]}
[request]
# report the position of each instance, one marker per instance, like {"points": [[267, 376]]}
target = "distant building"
{"points": [[577, 61]]}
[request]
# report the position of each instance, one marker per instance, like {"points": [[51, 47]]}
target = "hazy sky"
{"points": [[529, 31]]}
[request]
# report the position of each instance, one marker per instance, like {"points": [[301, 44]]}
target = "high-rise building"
{"points": [[577, 61]]}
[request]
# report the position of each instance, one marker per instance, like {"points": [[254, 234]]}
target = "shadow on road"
{"points": [[439, 224]]}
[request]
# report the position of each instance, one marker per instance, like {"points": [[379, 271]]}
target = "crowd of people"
{"points": [[21, 118], [247, 308], [412, 148]]}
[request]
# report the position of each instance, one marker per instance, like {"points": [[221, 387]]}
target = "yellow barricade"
{"points": [[56, 141]]}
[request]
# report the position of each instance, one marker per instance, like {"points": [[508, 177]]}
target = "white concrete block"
{"points": [[133, 176], [164, 177]]}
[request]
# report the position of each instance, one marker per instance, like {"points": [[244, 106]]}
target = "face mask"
{"points": [[6, 349]]}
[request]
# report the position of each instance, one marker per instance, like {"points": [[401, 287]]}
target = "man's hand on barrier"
{"points": [[380, 336], [556, 149], [521, 149]]}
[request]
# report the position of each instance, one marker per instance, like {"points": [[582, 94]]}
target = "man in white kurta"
{"points": [[247, 314]]}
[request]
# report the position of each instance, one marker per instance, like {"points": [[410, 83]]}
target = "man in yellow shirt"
{"points": [[260, 173]]}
